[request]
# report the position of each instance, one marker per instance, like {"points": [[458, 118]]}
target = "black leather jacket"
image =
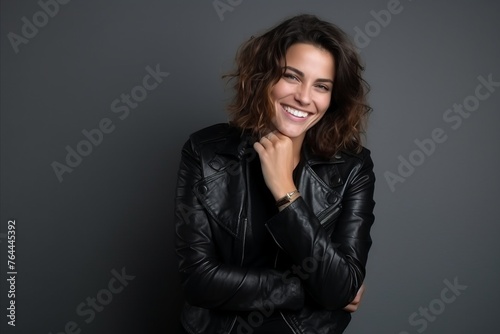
{"points": [[323, 236]]}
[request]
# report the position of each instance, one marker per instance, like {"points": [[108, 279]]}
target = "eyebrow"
{"points": [[301, 74]]}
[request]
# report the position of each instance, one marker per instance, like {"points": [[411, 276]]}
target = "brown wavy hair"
{"points": [[259, 68]]}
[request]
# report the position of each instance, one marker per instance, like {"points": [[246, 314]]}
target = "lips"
{"points": [[295, 112]]}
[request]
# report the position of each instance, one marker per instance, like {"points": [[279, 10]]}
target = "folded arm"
{"points": [[333, 267]]}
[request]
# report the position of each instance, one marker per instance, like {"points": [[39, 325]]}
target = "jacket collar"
{"points": [[314, 159], [237, 143], [228, 208]]}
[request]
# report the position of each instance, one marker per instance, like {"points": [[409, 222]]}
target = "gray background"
{"points": [[115, 209]]}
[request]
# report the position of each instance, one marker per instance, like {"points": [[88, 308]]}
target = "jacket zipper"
{"points": [[244, 241], [241, 263], [276, 259], [323, 218], [288, 324], [232, 325], [281, 313], [244, 170]]}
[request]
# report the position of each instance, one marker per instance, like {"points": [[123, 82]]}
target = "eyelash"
{"points": [[291, 76]]}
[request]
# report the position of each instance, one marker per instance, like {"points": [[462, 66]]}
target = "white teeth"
{"points": [[295, 112]]}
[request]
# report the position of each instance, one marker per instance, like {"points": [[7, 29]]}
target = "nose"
{"points": [[302, 95]]}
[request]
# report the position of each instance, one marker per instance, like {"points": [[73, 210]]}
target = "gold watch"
{"points": [[287, 198]]}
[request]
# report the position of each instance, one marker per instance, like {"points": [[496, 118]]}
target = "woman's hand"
{"points": [[353, 306], [276, 158]]}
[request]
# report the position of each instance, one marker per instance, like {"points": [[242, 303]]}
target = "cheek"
{"points": [[281, 90], [275, 91]]}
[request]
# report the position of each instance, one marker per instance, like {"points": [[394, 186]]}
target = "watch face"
{"points": [[286, 199], [283, 201]]}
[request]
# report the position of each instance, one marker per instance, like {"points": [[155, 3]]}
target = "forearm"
{"points": [[332, 263], [226, 287], [330, 276]]}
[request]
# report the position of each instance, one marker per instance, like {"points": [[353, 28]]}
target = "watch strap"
{"points": [[287, 198]]}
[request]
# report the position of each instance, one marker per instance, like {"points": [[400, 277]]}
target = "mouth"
{"points": [[295, 112]]}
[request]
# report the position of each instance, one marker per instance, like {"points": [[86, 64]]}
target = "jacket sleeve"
{"points": [[332, 268], [207, 282]]}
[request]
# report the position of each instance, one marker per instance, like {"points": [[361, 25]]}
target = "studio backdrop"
{"points": [[97, 98]]}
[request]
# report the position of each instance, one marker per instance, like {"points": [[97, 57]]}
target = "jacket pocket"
{"points": [[328, 218]]}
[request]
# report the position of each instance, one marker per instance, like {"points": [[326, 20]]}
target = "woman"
{"points": [[274, 209]]}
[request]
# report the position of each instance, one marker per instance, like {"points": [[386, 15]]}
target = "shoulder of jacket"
{"points": [[219, 139], [213, 133], [359, 156]]}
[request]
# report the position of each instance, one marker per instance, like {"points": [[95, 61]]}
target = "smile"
{"points": [[295, 112]]}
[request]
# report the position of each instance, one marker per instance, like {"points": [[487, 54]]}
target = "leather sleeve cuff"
{"points": [[283, 225]]}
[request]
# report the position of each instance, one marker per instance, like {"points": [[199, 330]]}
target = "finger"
{"points": [[266, 142], [281, 138], [276, 134], [357, 299], [352, 307], [279, 135], [361, 290], [259, 148], [272, 135]]}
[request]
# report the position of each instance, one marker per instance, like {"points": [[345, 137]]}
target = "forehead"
{"points": [[310, 59]]}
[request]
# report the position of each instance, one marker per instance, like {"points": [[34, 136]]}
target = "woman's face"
{"points": [[303, 93]]}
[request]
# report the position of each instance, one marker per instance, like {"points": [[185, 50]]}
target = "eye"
{"points": [[290, 76], [324, 87]]}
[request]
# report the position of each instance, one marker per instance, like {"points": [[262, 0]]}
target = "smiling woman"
{"points": [[274, 209], [303, 94]]}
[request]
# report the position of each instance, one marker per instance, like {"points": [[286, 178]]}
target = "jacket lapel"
{"points": [[319, 182], [320, 185], [224, 170]]}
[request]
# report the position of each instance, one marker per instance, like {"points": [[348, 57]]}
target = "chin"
{"points": [[293, 129], [292, 132]]}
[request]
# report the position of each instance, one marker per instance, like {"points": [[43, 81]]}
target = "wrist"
{"points": [[280, 191], [286, 200]]}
